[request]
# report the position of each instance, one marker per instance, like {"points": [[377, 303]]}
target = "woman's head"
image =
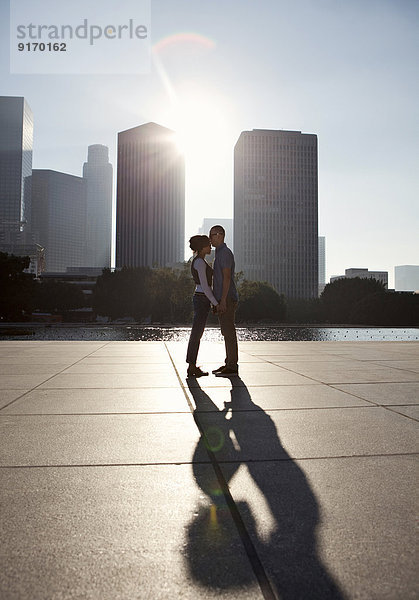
{"points": [[199, 242]]}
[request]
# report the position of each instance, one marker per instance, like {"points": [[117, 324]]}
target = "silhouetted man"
{"points": [[225, 292]]}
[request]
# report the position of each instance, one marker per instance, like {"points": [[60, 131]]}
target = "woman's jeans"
{"points": [[201, 308]]}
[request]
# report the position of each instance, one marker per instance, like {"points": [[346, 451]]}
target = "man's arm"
{"points": [[222, 307]]}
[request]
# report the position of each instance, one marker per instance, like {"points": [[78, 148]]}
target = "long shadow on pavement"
{"points": [[289, 554]]}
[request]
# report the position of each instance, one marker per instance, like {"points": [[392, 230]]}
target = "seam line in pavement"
{"points": [[258, 569], [52, 376], [202, 462]]}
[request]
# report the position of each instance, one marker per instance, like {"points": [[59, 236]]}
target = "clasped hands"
{"points": [[220, 308]]}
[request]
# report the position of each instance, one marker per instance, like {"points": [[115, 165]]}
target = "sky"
{"points": [[344, 70]]}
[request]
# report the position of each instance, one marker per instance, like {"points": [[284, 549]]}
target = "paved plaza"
{"points": [[122, 479]]}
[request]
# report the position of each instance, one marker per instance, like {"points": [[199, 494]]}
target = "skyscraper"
{"points": [[150, 205], [322, 264], [406, 278], [275, 210], [97, 172], [16, 142], [59, 218]]}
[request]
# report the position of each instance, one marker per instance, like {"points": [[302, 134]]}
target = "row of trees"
{"points": [[21, 294], [164, 295]]}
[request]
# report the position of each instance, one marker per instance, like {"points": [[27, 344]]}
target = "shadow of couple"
{"points": [[236, 435]]}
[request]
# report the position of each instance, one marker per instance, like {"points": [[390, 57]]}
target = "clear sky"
{"points": [[345, 70]]}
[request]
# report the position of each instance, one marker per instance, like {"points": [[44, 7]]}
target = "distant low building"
{"points": [[406, 278], [363, 274]]}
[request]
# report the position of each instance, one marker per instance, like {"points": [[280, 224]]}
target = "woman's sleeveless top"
{"points": [[195, 275]]}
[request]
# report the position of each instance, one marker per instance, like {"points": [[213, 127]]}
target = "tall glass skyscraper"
{"points": [[98, 173], [150, 202], [276, 210], [16, 143], [59, 218]]}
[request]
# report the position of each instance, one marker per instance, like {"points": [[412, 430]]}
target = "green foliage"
{"points": [[304, 311], [393, 309], [57, 296], [258, 301], [340, 297], [124, 293], [171, 293], [16, 298]]}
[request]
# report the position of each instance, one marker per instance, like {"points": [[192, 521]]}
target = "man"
{"points": [[226, 293]]}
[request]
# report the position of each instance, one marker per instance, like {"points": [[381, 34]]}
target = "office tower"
{"points": [[322, 264], [275, 210], [150, 204], [16, 142], [363, 274], [226, 223], [406, 278], [98, 173], [59, 218]]}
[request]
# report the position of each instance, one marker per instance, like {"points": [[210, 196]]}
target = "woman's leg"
{"points": [[201, 306]]}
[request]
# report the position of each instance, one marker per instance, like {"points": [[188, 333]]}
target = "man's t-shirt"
{"points": [[224, 259]]}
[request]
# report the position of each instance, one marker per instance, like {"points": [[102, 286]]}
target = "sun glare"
{"points": [[202, 129]]}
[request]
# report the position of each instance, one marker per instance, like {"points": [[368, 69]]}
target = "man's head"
{"points": [[216, 235]]}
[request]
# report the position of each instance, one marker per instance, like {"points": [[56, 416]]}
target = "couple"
{"points": [[223, 298]]}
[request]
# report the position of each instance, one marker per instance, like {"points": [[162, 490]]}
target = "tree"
{"points": [[392, 309], [339, 298], [57, 296], [17, 287], [258, 301], [123, 293]]}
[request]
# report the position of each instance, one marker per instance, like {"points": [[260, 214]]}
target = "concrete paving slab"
{"points": [[407, 365], [106, 380], [7, 396], [97, 439], [94, 401], [352, 372], [408, 411], [135, 359], [21, 382], [336, 528], [94, 531], [120, 532], [310, 433], [280, 397], [31, 369], [384, 393], [121, 368]]}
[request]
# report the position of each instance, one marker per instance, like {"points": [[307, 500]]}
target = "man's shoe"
{"points": [[196, 372], [229, 371], [215, 371]]}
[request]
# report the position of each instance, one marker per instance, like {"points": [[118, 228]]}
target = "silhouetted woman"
{"points": [[202, 299]]}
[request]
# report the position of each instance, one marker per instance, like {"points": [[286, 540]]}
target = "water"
{"points": [[211, 334]]}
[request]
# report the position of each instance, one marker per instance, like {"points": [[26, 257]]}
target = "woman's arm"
{"points": [[201, 267]]}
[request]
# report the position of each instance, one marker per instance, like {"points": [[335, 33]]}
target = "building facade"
{"points": [[98, 174], [322, 264], [363, 273], [406, 278], [276, 210], [150, 203], [16, 143], [59, 218]]}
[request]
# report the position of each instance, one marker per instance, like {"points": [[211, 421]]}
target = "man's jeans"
{"points": [[228, 329], [201, 307]]}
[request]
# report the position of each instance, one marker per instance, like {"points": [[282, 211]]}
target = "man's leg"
{"points": [[228, 329]]}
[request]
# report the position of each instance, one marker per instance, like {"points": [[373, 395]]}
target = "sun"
{"points": [[202, 127]]}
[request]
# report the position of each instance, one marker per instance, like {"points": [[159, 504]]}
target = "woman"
{"points": [[202, 299]]}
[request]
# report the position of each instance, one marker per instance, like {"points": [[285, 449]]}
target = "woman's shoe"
{"points": [[195, 372]]}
